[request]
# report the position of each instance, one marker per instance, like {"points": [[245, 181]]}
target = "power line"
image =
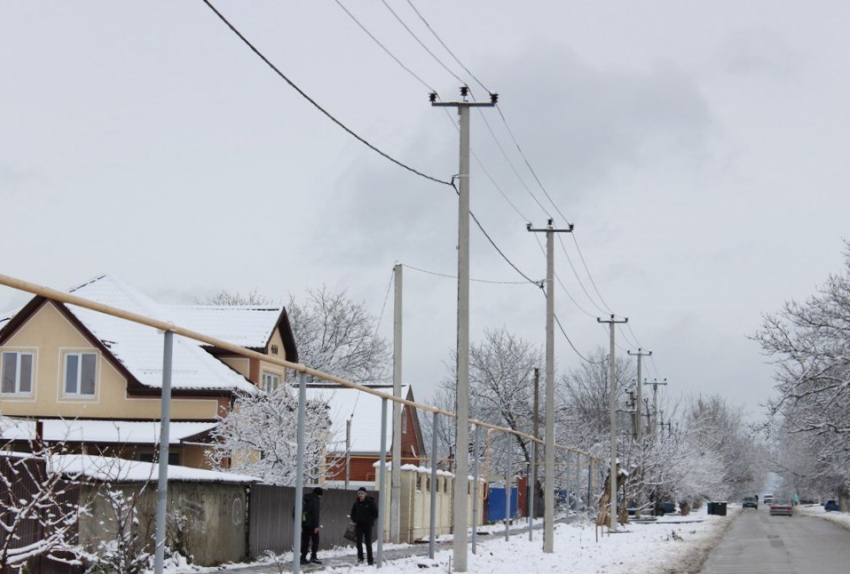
{"points": [[496, 247], [561, 283], [443, 44], [421, 43], [487, 172], [448, 276], [511, 165], [315, 104], [578, 278], [384, 48], [592, 282], [528, 165]]}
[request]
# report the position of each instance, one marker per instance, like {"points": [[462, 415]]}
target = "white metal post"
{"points": [[475, 487], [383, 484], [162, 485], [432, 538], [299, 473], [508, 493]]}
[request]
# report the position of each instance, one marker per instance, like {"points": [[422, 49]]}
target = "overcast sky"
{"points": [[699, 149]]}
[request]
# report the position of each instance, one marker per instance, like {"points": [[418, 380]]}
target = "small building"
{"points": [[363, 411], [94, 381]]}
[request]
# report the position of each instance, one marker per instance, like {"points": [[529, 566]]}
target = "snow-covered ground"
{"points": [[669, 545], [841, 518]]}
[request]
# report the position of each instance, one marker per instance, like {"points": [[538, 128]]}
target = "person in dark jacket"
{"points": [[363, 515], [310, 523]]}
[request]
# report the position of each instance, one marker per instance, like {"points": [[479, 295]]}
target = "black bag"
{"points": [[350, 533]]}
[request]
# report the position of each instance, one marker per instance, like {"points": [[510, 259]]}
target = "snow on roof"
{"points": [[363, 409], [121, 470], [91, 432], [139, 348]]}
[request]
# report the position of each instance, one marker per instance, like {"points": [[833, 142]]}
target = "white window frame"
{"points": [[18, 359], [268, 378], [78, 394]]}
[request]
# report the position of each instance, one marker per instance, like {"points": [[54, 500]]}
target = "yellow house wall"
{"points": [[49, 335], [241, 365]]}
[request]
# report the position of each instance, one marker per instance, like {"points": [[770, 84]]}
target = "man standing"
{"points": [[310, 522], [363, 515]]}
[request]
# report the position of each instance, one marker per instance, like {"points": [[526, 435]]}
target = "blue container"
{"points": [[496, 503]]}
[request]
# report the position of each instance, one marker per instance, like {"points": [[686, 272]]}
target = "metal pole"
{"points": [[395, 500], [299, 473], [347, 452], [508, 493], [382, 483], [162, 485], [475, 488], [432, 538], [530, 503], [535, 446], [589, 504]]}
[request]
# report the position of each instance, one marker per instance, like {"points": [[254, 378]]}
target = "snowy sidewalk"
{"points": [[670, 544]]}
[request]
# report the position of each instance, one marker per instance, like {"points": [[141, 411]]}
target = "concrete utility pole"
{"points": [[549, 491], [612, 404], [395, 479], [461, 488], [638, 426], [654, 421]]}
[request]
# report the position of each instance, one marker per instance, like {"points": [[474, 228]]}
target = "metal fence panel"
{"points": [[270, 518]]}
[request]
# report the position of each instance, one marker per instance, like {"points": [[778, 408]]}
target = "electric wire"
{"points": [[316, 104], [487, 173], [384, 48], [496, 247], [375, 334], [511, 165], [448, 276], [528, 165], [443, 44], [561, 283], [578, 278], [592, 282], [421, 43]]}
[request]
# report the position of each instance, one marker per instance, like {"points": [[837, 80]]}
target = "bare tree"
{"points": [[337, 335], [810, 342], [225, 297], [34, 498], [258, 437]]}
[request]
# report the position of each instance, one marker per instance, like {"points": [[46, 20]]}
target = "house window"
{"points": [[404, 420], [274, 349], [80, 374], [270, 382], [17, 373]]}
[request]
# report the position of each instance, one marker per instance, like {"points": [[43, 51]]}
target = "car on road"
{"points": [[781, 508], [831, 506], [750, 502], [662, 508], [768, 498]]}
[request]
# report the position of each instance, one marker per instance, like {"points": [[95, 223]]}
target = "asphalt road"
{"points": [[758, 543]]}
